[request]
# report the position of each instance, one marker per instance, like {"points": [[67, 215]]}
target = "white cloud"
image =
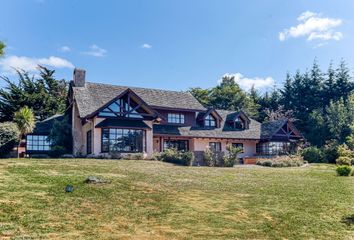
{"points": [[314, 27], [96, 51], [146, 45], [64, 49], [246, 83], [30, 64]]}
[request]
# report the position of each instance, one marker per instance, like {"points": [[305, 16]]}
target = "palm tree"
{"points": [[2, 47], [24, 118]]}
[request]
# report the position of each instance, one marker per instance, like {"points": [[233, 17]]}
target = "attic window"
{"points": [[209, 121], [238, 123]]}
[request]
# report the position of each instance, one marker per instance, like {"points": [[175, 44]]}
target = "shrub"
{"points": [[344, 151], [134, 156], [9, 135], [330, 152], [344, 170], [156, 156], [231, 158], [215, 159], [282, 161], [56, 151], [313, 155], [177, 157], [344, 161]]}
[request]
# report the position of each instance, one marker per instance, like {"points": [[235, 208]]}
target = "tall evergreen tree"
{"points": [[2, 48], [45, 95], [343, 85], [329, 86], [287, 93]]}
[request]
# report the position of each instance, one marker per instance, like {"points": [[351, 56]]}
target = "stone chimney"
{"points": [[79, 77]]}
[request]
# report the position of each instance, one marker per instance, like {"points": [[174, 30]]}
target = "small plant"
{"points": [[231, 158], [57, 151], [134, 156], [209, 158], [283, 161], [313, 155], [177, 157], [344, 170], [343, 161]]}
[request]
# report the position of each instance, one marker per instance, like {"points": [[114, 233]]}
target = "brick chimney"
{"points": [[79, 77]]}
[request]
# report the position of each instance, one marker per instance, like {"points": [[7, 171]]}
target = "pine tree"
{"points": [[329, 86], [343, 84], [287, 93]]}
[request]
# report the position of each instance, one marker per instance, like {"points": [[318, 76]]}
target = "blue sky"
{"points": [[176, 44]]}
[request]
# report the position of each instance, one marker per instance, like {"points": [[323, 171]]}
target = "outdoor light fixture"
{"points": [[69, 188]]}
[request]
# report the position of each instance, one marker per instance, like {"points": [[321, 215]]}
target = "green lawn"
{"points": [[154, 200]]}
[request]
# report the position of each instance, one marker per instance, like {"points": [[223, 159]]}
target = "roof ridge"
{"points": [[131, 87]]}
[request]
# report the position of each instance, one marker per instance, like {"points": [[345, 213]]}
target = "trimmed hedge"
{"points": [[177, 157]]}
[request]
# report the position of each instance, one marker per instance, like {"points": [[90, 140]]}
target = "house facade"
{"points": [[108, 118]]}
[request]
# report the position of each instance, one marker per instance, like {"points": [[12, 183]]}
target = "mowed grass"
{"points": [[154, 200]]}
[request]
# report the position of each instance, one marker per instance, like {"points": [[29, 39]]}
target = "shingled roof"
{"points": [[270, 128], [225, 131], [44, 127], [95, 95]]}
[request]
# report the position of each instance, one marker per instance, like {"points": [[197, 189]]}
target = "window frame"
{"points": [[89, 142], [208, 120], [38, 138], [176, 141], [104, 147], [214, 145], [176, 118]]}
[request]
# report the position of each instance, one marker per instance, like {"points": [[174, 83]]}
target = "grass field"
{"points": [[154, 200]]}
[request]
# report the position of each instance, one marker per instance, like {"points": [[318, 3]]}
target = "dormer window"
{"points": [[175, 118], [239, 124], [209, 121]]}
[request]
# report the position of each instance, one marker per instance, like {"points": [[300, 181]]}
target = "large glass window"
{"points": [[89, 142], [122, 140], [121, 108], [238, 124], [180, 145], [175, 118], [275, 148], [215, 146], [209, 121], [37, 143]]}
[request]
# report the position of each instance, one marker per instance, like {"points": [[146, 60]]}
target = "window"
{"points": [[215, 146], [275, 148], [238, 145], [180, 145], [37, 143], [238, 124], [175, 118], [89, 142], [122, 140], [121, 108], [209, 121]]}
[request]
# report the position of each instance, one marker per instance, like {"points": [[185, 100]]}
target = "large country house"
{"points": [[108, 118]]}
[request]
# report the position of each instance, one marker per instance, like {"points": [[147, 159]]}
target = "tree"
{"points": [[287, 93], [340, 117], [343, 86], [60, 134], [228, 95], [329, 86], [2, 48], [202, 95], [45, 95], [24, 118], [8, 137]]}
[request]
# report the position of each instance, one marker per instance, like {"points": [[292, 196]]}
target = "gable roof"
{"points": [[45, 126], [269, 129], [225, 131], [95, 95]]}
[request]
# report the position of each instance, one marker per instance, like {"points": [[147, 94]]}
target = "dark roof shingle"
{"points": [[95, 95], [225, 131]]}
